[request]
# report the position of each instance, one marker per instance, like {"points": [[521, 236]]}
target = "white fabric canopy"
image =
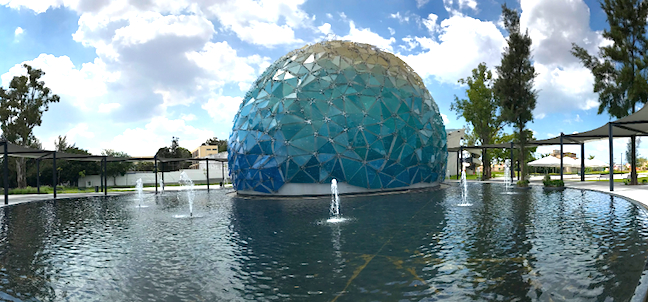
{"points": [[595, 163], [554, 162]]}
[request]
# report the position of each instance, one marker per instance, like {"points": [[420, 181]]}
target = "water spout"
{"points": [[139, 187], [188, 186], [464, 189], [335, 200], [507, 174], [334, 210]]}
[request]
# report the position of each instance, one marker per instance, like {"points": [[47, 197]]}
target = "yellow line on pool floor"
{"points": [[368, 258]]}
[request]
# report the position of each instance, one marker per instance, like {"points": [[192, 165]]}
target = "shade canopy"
{"points": [[554, 162]]}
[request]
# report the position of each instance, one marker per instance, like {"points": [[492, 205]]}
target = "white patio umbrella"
{"points": [[595, 163], [554, 162]]}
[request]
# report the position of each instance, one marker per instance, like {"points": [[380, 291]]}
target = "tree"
{"points": [[642, 162], [590, 157], [629, 150], [502, 154], [621, 68], [214, 141], [144, 166], [480, 110], [21, 109], [118, 168], [514, 86], [174, 151]]}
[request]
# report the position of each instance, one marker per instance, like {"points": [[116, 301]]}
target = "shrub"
{"points": [[553, 183], [523, 183], [644, 181], [547, 180]]}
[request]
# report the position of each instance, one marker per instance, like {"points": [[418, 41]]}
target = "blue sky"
{"points": [[133, 73]]}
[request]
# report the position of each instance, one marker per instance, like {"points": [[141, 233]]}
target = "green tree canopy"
{"points": [[500, 155], [214, 141], [21, 109], [514, 86], [119, 168], [620, 70], [173, 151], [480, 109]]}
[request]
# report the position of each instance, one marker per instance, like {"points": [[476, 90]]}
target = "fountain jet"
{"points": [[188, 186]]}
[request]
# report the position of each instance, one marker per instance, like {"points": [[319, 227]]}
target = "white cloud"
{"points": [[188, 117], [446, 121], [431, 23], [463, 43], [38, 6], [410, 43], [81, 87], [223, 65], [420, 3], [365, 35], [325, 28], [401, 18], [19, 31], [155, 134], [108, 107], [563, 83], [391, 31], [222, 108], [454, 7], [257, 22], [78, 131]]}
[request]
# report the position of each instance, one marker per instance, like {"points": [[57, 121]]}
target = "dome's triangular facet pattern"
{"points": [[338, 110]]}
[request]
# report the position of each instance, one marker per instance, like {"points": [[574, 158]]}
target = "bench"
{"points": [[603, 176]]}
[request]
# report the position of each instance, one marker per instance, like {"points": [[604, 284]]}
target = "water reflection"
{"points": [[570, 245]]}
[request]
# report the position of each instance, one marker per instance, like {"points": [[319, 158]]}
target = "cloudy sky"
{"points": [[133, 73]]}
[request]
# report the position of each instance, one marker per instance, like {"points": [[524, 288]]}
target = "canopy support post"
{"points": [[105, 164], [582, 161], [38, 176], [610, 138], [101, 175], [54, 173], [5, 173], [156, 173], [207, 163], [512, 167], [561, 156], [484, 164]]}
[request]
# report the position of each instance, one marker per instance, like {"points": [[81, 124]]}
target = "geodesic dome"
{"points": [[339, 110]]}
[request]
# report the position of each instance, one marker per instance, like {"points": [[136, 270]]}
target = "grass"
{"points": [[47, 190], [639, 179]]}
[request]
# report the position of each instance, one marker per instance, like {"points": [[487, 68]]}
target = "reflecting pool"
{"points": [[532, 245]]}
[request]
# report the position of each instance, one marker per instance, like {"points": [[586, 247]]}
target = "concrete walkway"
{"points": [[638, 193], [22, 198]]}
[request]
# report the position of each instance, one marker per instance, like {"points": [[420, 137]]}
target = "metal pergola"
{"points": [[13, 150], [630, 126]]}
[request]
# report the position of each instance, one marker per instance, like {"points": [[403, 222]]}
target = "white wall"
{"points": [[148, 178], [454, 140]]}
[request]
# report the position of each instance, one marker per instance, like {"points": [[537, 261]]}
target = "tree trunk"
{"points": [[487, 167], [633, 161], [522, 142], [20, 172]]}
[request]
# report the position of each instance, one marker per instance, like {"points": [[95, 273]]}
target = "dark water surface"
{"points": [[571, 245]]}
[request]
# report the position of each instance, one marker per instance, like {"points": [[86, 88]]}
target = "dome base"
{"points": [[306, 189]]}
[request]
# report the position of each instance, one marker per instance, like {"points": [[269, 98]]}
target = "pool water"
{"points": [[530, 245]]}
